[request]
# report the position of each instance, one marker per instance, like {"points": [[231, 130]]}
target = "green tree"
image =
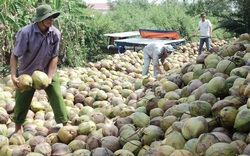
{"points": [[238, 21]]}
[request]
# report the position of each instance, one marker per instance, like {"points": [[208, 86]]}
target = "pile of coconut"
{"points": [[200, 106]]}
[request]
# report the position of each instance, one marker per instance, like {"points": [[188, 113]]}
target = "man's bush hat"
{"points": [[44, 11]]}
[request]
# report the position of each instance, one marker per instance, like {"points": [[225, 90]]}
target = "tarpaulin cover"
{"points": [[150, 33]]}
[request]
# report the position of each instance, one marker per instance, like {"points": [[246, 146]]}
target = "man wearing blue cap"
{"points": [[37, 48]]}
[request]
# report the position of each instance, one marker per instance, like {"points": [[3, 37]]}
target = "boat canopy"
{"points": [[150, 33]]}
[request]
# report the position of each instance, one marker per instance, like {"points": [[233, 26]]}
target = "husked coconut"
{"points": [[25, 82], [40, 80]]}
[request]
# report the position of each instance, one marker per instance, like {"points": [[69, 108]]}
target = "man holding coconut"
{"points": [[155, 51], [37, 48]]}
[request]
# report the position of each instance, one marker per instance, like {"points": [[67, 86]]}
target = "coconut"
{"points": [[140, 119], [82, 152], [33, 142], [239, 145], [244, 36], [225, 66], [16, 139], [4, 117], [177, 110], [165, 104], [40, 80], [7, 150], [133, 146], [242, 120], [151, 104], [93, 142], [221, 148], [203, 142], [200, 108], [227, 116], [181, 152], [128, 135], [218, 87], [67, 133], [3, 141], [194, 126], [59, 149], [208, 97], [123, 152], [239, 71], [110, 142], [187, 77], [190, 145], [209, 59], [174, 139], [150, 134], [86, 127], [77, 144], [25, 82], [43, 148], [109, 129], [100, 151], [21, 150]]}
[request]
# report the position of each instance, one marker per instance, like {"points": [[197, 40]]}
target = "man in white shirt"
{"points": [[205, 29], [155, 52]]}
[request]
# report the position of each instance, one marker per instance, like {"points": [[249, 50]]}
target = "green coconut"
{"points": [[174, 139], [247, 91], [7, 150], [213, 63], [133, 146], [239, 71], [177, 110], [203, 142], [123, 152], [242, 121], [25, 82], [227, 116], [221, 148], [187, 77], [208, 97], [101, 95], [239, 145], [169, 86], [210, 58], [140, 119], [43, 148], [167, 121], [3, 141], [86, 127], [190, 145], [219, 105], [244, 36], [225, 66], [193, 127], [218, 87], [128, 135], [200, 108], [111, 142], [17, 139], [206, 77], [40, 80], [181, 152], [164, 150], [150, 134]]}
